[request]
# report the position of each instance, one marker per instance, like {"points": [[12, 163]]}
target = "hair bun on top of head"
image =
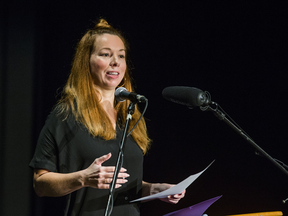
{"points": [[102, 27], [102, 23]]}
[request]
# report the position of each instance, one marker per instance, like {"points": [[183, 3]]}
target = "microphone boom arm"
{"points": [[221, 116]]}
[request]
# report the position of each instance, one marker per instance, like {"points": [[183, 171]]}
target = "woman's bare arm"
{"points": [[53, 184]]}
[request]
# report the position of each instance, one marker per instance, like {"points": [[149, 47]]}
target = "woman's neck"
{"points": [[106, 97], [107, 102]]}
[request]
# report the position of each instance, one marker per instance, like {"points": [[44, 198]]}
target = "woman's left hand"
{"points": [[174, 199], [156, 188]]}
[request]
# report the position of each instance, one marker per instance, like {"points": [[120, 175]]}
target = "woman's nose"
{"points": [[114, 61]]}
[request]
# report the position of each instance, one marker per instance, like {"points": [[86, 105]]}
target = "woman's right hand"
{"points": [[98, 176], [53, 184]]}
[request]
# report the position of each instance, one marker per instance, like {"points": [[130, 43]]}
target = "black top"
{"points": [[65, 146]]}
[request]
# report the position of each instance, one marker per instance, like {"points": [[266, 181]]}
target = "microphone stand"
{"points": [[109, 206], [222, 116]]}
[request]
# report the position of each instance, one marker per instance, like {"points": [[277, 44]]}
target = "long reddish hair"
{"points": [[79, 95]]}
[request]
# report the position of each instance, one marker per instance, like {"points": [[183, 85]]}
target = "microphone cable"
{"points": [[145, 108]]}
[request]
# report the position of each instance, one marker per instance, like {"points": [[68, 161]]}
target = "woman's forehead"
{"points": [[109, 41]]}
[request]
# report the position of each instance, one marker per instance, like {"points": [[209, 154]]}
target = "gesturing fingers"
{"points": [[104, 183], [103, 178], [102, 159], [98, 176], [111, 169]]}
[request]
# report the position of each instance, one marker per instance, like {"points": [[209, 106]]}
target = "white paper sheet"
{"points": [[177, 189]]}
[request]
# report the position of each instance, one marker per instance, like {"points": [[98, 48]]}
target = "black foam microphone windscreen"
{"points": [[188, 96]]}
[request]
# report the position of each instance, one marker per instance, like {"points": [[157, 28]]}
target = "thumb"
{"points": [[102, 159]]}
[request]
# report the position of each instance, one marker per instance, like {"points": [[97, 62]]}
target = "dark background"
{"points": [[236, 50]]}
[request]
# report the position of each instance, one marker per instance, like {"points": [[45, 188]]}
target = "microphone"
{"points": [[121, 94], [188, 96]]}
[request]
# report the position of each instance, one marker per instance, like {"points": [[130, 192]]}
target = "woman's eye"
{"points": [[121, 56], [105, 54]]}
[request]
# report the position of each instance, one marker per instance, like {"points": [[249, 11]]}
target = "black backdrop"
{"points": [[235, 50]]}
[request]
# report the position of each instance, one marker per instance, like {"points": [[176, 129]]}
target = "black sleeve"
{"points": [[46, 153]]}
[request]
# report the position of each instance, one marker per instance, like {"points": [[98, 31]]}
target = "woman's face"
{"points": [[107, 61]]}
